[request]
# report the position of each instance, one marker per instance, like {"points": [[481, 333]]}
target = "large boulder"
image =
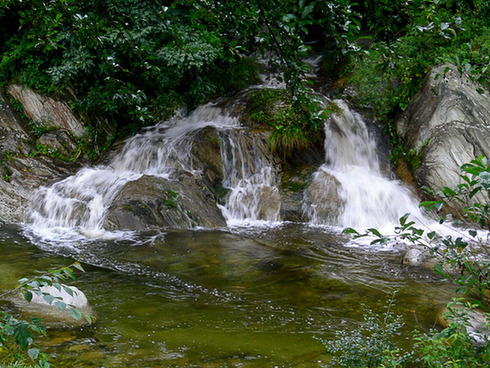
{"points": [[324, 203], [207, 152], [182, 201], [448, 123]]}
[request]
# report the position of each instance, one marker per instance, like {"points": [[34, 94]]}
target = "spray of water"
{"points": [[74, 208], [366, 197]]}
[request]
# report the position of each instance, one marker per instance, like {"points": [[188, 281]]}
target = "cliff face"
{"points": [[448, 123]]}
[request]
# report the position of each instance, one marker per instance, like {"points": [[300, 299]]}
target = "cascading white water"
{"points": [[366, 196], [254, 197], [76, 206]]}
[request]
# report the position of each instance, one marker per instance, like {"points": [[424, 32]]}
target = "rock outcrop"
{"points": [[45, 111], [22, 168], [325, 203], [181, 201], [448, 123]]}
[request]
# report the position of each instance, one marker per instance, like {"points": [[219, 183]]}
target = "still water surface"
{"points": [[231, 298]]}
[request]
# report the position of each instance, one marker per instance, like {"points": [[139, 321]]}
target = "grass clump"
{"points": [[296, 123]]}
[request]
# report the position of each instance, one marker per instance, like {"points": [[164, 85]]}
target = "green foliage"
{"points": [[371, 344], [38, 128], [436, 32], [171, 197], [454, 346], [17, 337], [17, 340], [409, 38], [296, 126], [134, 62]]}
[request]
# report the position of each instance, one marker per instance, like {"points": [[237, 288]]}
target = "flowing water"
{"points": [[249, 298], [244, 296], [369, 194]]}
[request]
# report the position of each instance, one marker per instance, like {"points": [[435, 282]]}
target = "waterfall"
{"points": [[350, 189], [252, 179], [75, 207]]}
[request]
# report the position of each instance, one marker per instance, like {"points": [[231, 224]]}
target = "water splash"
{"points": [[74, 208], [251, 178], [351, 189]]}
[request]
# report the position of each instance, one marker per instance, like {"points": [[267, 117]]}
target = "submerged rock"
{"points": [[419, 256], [77, 299], [448, 123], [50, 314], [182, 201]]}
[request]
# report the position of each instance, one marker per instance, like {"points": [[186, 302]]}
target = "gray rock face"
{"points": [[21, 173], [60, 141], [182, 201], [449, 123], [206, 151], [46, 111]]}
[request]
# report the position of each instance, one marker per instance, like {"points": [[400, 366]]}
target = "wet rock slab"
{"points": [[182, 201]]}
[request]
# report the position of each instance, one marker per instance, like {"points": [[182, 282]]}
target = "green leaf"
{"points": [[75, 313], [439, 269], [78, 266], [485, 179], [68, 290], [33, 353], [403, 219], [375, 232], [89, 318], [61, 305], [27, 295], [474, 192], [473, 233], [432, 205], [349, 230], [48, 298], [69, 273]]}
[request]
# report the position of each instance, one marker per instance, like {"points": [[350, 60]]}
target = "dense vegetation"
{"points": [[133, 62]]}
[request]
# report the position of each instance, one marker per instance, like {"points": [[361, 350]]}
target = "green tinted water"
{"points": [[255, 298]]}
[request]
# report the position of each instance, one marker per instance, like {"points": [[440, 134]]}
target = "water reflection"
{"points": [[247, 298]]}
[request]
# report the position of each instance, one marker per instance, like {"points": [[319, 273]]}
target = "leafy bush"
{"points": [[422, 34], [371, 344], [295, 125], [463, 259], [454, 346], [17, 337]]}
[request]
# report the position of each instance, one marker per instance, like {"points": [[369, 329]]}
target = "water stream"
{"points": [[244, 296], [369, 194], [253, 298]]}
